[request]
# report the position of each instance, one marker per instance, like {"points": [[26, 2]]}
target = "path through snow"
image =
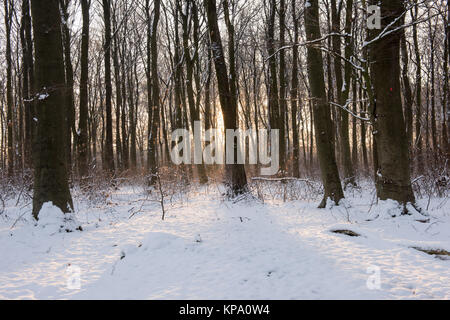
{"points": [[212, 249]]}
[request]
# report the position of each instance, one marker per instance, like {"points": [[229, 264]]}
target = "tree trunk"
{"points": [[178, 92], [118, 85], [283, 87], [69, 99], [447, 105], [343, 85], [51, 180], [125, 143], [364, 133], [446, 93], [354, 124], [154, 108], [9, 89], [132, 119], [419, 138], [193, 109], [109, 152], [432, 34], [393, 176], [407, 91], [321, 110], [28, 82], [349, 170], [294, 96], [274, 106], [237, 180], [83, 143]]}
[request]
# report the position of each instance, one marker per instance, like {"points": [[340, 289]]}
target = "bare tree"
{"points": [[82, 138], [393, 170], [50, 171], [28, 81], [236, 177], [321, 110], [9, 89], [294, 94], [108, 145], [154, 109], [70, 104]]}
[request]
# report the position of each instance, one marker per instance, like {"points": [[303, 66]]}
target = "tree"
{"points": [[283, 86], [192, 13], [118, 87], [349, 171], [393, 172], [154, 107], [9, 88], [321, 110], [419, 138], [236, 177], [294, 95], [109, 153], [273, 97], [70, 104], [343, 83], [28, 81], [446, 89], [407, 91], [432, 81], [84, 80], [50, 171]]}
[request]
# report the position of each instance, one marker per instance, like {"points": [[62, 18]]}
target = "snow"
{"points": [[52, 220], [211, 248], [43, 96]]}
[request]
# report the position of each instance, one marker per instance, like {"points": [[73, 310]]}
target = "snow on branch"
{"points": [[306, 43], [345, 108]]}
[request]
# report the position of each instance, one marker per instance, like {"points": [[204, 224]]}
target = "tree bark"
{"points": [[446, 89], [283, 86], [154, 108], [109, 152], [432, 35], [354, 126], [236, 177], [28, 82], [51, 179], [132, 118], [321, 110], [118, 85], [274, 106], [407, 91], [9, 89], [419, 138], [69, 99], [193, 109], [83, 143], [393, 176], [294, 96], [343, 85]]}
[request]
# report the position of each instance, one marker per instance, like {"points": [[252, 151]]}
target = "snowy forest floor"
{"points": [[212, 248]]}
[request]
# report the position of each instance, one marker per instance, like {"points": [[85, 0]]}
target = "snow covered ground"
{"points": [[209, 248]]}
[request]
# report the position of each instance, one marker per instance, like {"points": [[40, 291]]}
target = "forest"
{"points": [[139, 130]]}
